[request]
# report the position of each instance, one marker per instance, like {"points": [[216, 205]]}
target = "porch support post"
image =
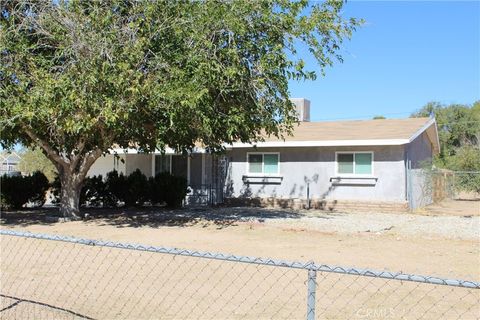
{"points": [[153, 164], [203, 168], [188, 169]]}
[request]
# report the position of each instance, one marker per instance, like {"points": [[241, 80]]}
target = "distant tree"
{"points": [[459, 135], [458, 126], [466, 160], [476, 116], [34, 160], [379, 118], [77, 77]]}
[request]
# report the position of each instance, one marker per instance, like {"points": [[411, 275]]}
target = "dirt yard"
{"points": [[451, 207], [428, 243]]}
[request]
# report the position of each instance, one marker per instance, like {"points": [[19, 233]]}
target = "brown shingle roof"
{"points": [[356, 130], [349, 133]]}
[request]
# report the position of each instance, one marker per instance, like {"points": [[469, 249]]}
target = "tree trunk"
{"points": [[70, 189], [72, 167]]}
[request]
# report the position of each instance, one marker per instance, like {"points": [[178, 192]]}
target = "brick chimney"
{"points": [[302, 106]]}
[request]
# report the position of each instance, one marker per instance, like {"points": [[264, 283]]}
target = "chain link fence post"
{"points": [[311, 288]]}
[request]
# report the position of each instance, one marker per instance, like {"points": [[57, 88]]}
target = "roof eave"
{"points": [[432, 126], [321, 143]]}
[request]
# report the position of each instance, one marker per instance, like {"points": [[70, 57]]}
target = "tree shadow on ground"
{"points": [[155, 217], [220, 217], [28, 216], [16, 301]]}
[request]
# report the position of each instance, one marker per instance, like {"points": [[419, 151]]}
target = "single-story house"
{"points": [[340, 164]]}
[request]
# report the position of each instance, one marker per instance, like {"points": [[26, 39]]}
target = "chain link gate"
{"points": [[425, 186]]}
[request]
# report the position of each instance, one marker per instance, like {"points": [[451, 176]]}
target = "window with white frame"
{"points": [[355, 163], [263, 163]]}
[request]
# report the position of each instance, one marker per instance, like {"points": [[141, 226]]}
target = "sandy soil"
{"points": [[450, 207], [438, 245], [441, 245]]}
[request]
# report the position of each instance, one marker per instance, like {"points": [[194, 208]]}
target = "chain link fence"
{"points": [[460, 185], [57, 277], [433, 186]]}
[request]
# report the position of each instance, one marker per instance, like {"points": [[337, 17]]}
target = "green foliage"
{"points": [[77, 77], [165, 187], [466, 158], [116, 185], [137, 189], [468, 181], [176, 191], [81, 75], [34, 160], [132, 190], [459, 135], [17, 191], [14, 191], [458, 126], [94, 192], [379, 118], [39, 185], [157, 186], [97, 191], [467, 161]]}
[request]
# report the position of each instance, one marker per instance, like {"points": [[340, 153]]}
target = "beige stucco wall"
{"points": [[139, 161], [130, 163], [105, 164]]}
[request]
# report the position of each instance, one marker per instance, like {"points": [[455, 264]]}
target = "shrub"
{"points": [[176, 191], [156, 189], [17, 191], [116, 188], [14, 191], [137, 189], [39, 187], [132, 190], [466, 160], [55, 190], [94, 191], [168, 188]]}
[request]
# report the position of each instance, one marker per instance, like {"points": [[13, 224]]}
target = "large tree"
{"points": [[80, 76]]}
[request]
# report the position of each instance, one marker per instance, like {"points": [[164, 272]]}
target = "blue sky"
{"points": [[407, 54]]}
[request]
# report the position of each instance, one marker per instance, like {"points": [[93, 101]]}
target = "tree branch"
{"points": [[76, 157], [87, 162], [45, 146]]}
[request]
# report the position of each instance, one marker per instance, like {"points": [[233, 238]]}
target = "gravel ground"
{"points": [[451, 227], [443, 245], [463, 227]]}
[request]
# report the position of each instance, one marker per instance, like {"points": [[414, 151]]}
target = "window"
{"points": [[263, 163], [162, 163], [360, 163]]}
